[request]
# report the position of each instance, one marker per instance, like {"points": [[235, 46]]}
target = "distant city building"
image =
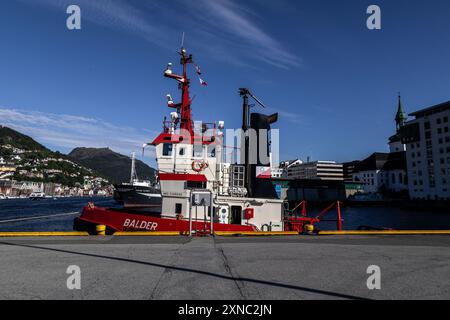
{"points": [[6, 171], [349, 168], [277, 172], [317, 170], [289, 163], [427, 139], [282, 170]]}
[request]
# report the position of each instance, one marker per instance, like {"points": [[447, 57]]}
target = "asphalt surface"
{"points": [[325, 267]]}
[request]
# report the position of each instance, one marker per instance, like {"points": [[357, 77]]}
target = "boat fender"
{"points": [[265, 228]]}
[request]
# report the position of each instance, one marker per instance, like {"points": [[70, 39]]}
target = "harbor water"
{"points": [[57, 214], [50, 214]]}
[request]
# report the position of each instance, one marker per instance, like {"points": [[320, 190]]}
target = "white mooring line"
{"points": [[39, 217]]}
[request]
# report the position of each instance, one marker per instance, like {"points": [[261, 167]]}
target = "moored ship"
{"points": [[138, 194], [37, 196], [201, 191]]}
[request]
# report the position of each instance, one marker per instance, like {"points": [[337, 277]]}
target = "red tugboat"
{"points": [[200, 191]]}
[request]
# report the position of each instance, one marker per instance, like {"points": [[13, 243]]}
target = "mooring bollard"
{"points": [[101, 229], [309, 229]]}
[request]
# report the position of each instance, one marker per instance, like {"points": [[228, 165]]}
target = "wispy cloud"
{"points": [[292, 117], [237, 22], [223, 28], [115, 14], [65, 132]]}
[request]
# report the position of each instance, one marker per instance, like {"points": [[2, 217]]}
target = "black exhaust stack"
{"points": [[263, 188]]}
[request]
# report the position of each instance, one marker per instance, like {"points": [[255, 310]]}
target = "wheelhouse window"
{"points": [[167, 149], [195, 185], [211, 151], [197, 151]]}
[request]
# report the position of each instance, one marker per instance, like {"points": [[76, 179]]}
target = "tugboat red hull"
{"points": [[121, 220]]}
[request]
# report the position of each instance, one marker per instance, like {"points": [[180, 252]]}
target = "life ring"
{"points": [[199, 165]]}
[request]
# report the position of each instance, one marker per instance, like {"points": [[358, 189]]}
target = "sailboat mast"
{"points": [[133, 167]]}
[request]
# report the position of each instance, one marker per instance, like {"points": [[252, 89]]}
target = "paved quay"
{"points": [[292, 267]]}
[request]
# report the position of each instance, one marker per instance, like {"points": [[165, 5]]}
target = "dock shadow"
{"points": [[206, 273]]}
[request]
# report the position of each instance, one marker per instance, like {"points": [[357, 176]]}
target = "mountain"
{"points": [[31, 161], [115, 166], [25, 159], [18, 140]]}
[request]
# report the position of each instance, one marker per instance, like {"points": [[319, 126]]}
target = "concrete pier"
{"points": [[290, 267]]}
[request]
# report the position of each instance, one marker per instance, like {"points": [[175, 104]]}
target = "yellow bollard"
{"points": [[309, 228], [101, 230]]}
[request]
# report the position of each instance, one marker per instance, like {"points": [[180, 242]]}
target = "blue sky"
{"points": [[333, 81]]}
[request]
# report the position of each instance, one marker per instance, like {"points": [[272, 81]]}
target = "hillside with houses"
{"points": [[27, 166]]}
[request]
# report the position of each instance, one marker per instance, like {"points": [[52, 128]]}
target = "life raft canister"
{"points": [[199, 165]]}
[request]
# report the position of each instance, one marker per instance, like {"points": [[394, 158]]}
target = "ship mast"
{"points": [[183, 108], [186, 122]]}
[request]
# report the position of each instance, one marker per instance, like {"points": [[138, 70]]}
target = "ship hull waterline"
{"points": [[123, 220]]}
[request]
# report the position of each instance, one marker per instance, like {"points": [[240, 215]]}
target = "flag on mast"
{"points": [[199, 73], [197, 68]]}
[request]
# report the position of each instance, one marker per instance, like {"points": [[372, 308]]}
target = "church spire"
{"points": [[401, 115]]}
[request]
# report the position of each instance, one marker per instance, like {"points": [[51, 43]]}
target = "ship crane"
{"points": [[245, 91]]}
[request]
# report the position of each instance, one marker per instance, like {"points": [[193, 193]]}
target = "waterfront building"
{"points": [[395, 142], [317, 170], [6, 187], [385, 172], [315, 190], [32, 186], [49, 188], [427, 140], [382, 171]]}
